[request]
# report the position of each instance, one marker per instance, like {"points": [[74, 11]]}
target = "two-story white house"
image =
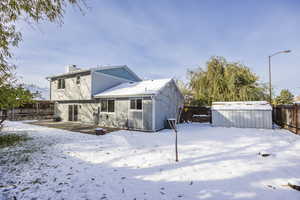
{"points": [[114, 96]]}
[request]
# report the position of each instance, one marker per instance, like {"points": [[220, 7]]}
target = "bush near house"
{"points": [[12, 139]]}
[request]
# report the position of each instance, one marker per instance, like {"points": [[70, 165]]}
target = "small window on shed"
{"points": [[107, 105], [139, 104], [136, 104], [111, 105], [77, 80], [103, 105], [132, 104]]}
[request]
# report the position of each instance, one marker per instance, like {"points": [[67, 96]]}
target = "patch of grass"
{"points": [[12, 139]]}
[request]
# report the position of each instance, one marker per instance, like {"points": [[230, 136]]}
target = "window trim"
{"points": [[135, 109], [106, 112]]}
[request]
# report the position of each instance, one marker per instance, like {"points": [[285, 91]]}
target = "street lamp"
{"points": [[270, 84]]}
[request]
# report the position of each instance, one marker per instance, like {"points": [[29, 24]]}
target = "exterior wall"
{"points": [[90, 113], [119, 118], [122, 115], [72, 91], [167, 103], [101, 82], [242, 118], [61, 110], [85, 111]]}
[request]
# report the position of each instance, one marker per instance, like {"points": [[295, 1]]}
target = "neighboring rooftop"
{"points": [[148, 87], [241, 105]]}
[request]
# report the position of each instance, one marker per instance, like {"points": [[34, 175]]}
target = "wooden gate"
{"points": [[287, 116], [200, 114]]}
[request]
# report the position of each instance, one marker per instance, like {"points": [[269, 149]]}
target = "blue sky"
{"points": [[161, 38]]}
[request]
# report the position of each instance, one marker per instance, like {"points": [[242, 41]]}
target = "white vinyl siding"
{"points": [[242, 118]]}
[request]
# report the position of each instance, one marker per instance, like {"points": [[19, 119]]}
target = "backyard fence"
{"points": [[287, 116], [30, 111], [196, 114]]}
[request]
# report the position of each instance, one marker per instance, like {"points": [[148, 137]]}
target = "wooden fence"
{"points": [[287, 116], [36, 110], [196, 114]]}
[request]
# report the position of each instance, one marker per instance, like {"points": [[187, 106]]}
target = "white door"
{"points": [[135, 114]]}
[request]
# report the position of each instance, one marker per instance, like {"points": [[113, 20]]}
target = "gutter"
{"points": [[124, 96]]}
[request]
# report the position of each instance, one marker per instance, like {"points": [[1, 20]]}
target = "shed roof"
{"points": [[241, 105], [148, 87]]}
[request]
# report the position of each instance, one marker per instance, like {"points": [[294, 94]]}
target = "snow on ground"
{"points": [[214, 163]]}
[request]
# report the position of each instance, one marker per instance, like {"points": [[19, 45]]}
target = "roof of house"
{"points": [[142, 88], [121, 71], [241, 105]]}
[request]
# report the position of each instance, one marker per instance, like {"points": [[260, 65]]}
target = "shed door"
{"points": [[135, 120], [135, 115]]}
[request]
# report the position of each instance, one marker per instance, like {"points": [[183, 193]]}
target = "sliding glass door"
{"points": [[73, 112]]}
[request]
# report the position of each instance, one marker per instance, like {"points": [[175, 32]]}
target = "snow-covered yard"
{"points": [[214, 163]]}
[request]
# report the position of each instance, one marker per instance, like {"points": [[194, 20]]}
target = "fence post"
{"points": [[297, 124], [274, 119]]}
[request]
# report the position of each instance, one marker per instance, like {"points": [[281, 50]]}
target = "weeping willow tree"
{"points": [[225, 81]]}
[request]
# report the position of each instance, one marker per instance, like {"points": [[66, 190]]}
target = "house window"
{"points": [[77, 80], [111, 105], [132, 104], [61, 84], [103, 105], [107, 105], [136, 104]]}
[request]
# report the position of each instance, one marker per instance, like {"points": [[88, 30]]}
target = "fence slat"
{"points": [[37, 110], [287, 117]]}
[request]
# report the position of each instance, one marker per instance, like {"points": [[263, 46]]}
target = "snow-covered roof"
{"points": [[241, 105], [148, 87]]}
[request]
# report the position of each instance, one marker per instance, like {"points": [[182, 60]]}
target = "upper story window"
{"points": [[107, 105], [136, 104], [77, 80], [61, 84]]}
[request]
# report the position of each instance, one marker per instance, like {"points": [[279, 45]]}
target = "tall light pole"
{"points": [[270, 83]]}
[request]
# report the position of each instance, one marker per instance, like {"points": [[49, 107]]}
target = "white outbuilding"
{"points": [[242, 114]]}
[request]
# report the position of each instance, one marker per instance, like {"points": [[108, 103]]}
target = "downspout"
{"points": [[153, 113]]}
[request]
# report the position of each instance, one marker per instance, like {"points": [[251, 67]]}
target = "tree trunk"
{"points": [[3, 118]]}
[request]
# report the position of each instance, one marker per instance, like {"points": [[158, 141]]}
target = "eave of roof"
{"points": [[124, 96], [134, 90], [93, 69]]}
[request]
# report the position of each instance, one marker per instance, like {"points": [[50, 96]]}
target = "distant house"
{"points": [[297, 99], [114, 96]]}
